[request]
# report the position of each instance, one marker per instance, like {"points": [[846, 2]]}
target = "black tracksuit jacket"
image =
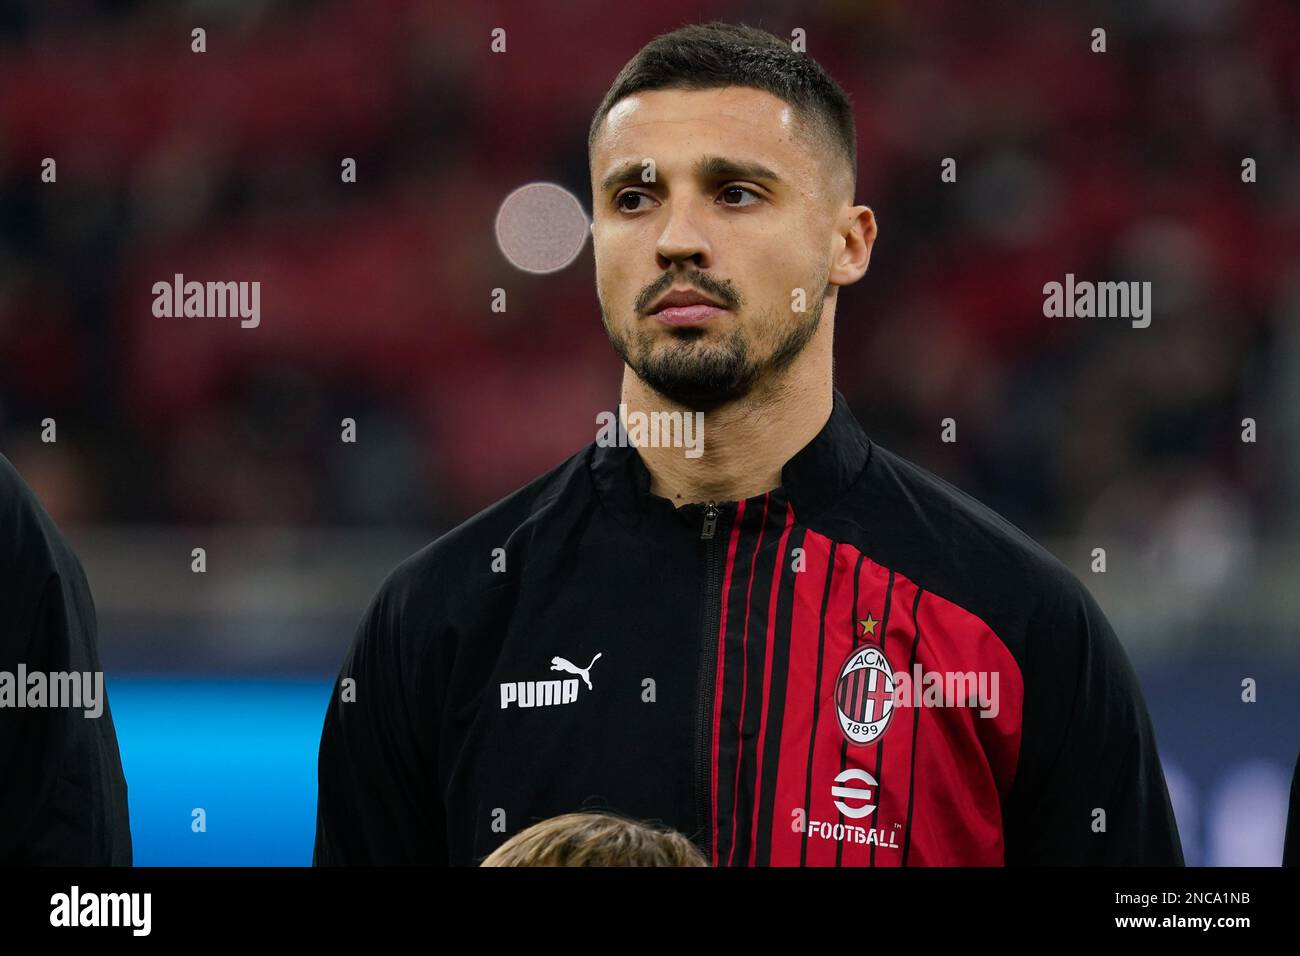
{"points": [[63, 797], [767, 676]]}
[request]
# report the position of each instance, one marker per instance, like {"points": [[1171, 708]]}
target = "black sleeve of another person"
{"points": [[62, 796]]}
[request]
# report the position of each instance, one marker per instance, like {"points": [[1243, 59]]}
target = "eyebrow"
{"points": [[706, 167]]}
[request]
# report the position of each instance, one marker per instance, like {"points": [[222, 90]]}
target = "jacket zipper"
{"points": [[708, 665]]}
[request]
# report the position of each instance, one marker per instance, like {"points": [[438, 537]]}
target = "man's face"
{"points": [[740, 212]]}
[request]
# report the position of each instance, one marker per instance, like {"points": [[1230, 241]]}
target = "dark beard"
{"points": [[704, 378]]}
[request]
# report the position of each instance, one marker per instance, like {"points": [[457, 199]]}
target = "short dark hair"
{"points": [[712, 55]]}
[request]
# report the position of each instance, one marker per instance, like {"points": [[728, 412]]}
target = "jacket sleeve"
{"points": [[1089, 789], [378, 800], [63, 796]]}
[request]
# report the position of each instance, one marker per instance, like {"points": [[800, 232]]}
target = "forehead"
{"points": [[718, 121]]}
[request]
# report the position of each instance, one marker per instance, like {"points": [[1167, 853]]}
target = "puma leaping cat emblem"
{"points": [[560, 664]]}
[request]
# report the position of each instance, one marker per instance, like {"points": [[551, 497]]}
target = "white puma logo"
{"points": [[560, 664], [544, 693]]}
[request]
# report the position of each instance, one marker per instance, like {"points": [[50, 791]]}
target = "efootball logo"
{"points": [[864, 695]]}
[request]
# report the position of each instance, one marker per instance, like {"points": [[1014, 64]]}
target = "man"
{"points": [[63, 796], [796, 648]]}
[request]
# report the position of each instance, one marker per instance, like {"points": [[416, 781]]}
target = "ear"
{"points": [[858, 229]]}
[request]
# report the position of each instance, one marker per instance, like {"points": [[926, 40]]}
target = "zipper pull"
{"points": [[710, 521]]}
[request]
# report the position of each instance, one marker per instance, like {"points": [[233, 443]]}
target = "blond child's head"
{"points": [[595, 839]]}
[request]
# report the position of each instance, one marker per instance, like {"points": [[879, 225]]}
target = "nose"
{"points": [[682, 240]]}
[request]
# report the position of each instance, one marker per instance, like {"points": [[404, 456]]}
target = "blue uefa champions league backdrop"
{"points": [[242, 752]]}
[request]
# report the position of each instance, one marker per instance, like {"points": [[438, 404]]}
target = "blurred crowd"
{"points": [[225, 165]]}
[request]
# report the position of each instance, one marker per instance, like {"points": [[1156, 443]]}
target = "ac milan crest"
{"points": [[864, 694]]}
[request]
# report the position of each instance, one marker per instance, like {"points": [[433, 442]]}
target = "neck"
{"points": [[746, 441]]}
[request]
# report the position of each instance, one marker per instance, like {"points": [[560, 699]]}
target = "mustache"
{"points": [[723, 291]]}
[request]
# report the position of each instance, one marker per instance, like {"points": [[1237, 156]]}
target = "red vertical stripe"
{"points": [[777, 571], [801, 680], [721, 659], [744, 677], [888, 757], [825, 757]]}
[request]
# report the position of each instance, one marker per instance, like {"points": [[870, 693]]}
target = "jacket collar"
{"points": [[814, 479]]}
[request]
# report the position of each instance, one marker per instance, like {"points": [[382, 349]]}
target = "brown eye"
{"points": [[738, 193], [622, 200]]}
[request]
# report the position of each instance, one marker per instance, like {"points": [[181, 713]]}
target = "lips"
{"points": [[685, 307], [688, 314]]}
